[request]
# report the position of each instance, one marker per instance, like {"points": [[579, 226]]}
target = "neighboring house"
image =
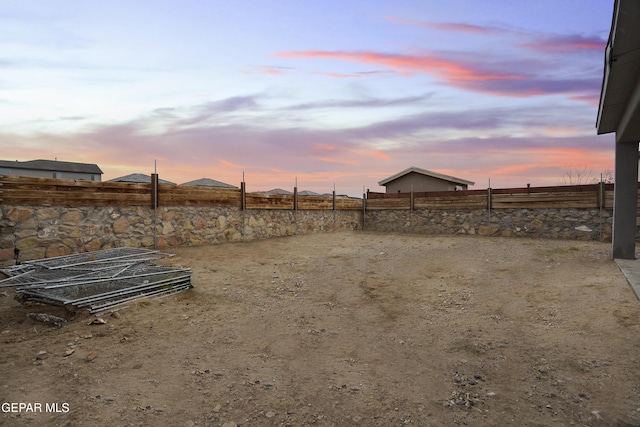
{"points": [[422, 180], [51, 169], [207, 182], [139, 178]]}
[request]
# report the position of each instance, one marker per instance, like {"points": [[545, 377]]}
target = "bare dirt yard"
{"points": [[345, 329]]}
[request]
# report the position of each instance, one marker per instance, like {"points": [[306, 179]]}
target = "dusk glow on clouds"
{"points": [[344, 93]]}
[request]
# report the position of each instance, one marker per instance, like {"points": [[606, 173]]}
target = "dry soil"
{"points": [[345, 329]]}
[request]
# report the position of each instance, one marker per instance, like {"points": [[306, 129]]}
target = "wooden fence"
{"points": [[566, 196], [15, 190]]}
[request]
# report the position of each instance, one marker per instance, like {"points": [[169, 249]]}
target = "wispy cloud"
{"points": [[479, 74], [368, 102], [450, 26], [546, 43], [566, 44], [447, 69], [270, 70]]}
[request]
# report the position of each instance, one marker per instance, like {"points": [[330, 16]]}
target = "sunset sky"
{"points": [[328, 92]]}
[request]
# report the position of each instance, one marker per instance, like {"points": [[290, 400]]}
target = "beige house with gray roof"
{"points": [[422, 180]]}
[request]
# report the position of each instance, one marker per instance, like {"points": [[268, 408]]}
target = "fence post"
{"points": [[364, 210], [334, 207], [295, 208], [155, 202], [243, 196], [154, 191], [411, 210], [601, 203], [489, 209], [243, 204], [601, 194]]}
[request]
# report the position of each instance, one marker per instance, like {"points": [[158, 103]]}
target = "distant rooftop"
{"points": [[139, 178], [52, 165], [426, 173], [309, 193], [276, 191], [208, 182]]}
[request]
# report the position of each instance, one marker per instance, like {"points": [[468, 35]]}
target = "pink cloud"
{"points": [[325, 147], [340, 75], [566, 44], [448, 26], [373, 153], [272, 71], [450, 70], [228, 164], [340, 161], [590, 99], [493, 78], [561, 131]]}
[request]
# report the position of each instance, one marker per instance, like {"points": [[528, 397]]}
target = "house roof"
{"points": [[426, 173], [620, 94], [52, 165], [309, 193], [208, 182], [276, 191], [139, 178]]}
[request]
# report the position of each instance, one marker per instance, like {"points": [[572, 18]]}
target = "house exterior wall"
{"points": [[38, 173], [420, 183]]}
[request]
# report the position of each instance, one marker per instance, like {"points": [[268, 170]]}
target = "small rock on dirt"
{"points": [[48, 318]]}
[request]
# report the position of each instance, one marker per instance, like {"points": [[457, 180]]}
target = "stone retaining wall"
{"points": [[40, 232], [578, 224]]}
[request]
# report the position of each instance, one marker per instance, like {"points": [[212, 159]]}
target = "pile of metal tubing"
{"points": [[98, 280]]}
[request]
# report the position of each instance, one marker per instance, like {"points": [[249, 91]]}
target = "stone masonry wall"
{"points": [[40, 232], [576, 224]]}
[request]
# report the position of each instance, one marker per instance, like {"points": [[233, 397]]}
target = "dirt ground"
{"points": [[345, 329]]}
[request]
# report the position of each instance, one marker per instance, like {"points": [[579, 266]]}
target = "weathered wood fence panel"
{"points": [[395, 203], [344, 203], [51, 192], [198, 196], [17, 190], [268, 201], [545, 200], [48, 191], [316, 203], [471, 201], [594, 196]]}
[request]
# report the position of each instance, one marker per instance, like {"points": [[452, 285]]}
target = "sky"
{"points": [[324, 93]]}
